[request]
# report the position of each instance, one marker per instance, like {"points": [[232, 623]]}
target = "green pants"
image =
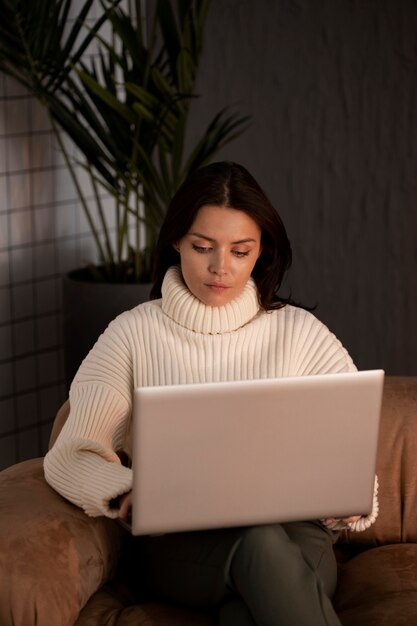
{"points": [[273, 575]]}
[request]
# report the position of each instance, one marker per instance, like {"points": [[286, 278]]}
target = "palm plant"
{"points": [[126, 108]]}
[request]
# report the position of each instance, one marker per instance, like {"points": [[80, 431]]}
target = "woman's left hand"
{"points": [[337, 523]]}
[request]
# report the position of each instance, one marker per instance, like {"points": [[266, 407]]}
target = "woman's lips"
{"points": [[217, 286]]}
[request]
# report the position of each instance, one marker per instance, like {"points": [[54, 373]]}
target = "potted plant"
{"points": [[126, 109]]}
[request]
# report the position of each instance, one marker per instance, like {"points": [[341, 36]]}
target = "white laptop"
{"points": [[251, 452]]}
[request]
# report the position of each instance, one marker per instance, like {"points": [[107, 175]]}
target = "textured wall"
{"points": [[332, 87]]}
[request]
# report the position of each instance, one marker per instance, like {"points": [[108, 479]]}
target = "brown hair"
{"points": [[231, 185]]}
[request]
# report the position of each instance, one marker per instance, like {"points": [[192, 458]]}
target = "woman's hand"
{"points": [[337, 523], [125, 505]]}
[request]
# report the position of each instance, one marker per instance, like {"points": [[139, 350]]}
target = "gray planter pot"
{"points": [[88, 308]]}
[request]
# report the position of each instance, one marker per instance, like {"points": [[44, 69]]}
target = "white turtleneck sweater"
{"points": [[176, 339]]}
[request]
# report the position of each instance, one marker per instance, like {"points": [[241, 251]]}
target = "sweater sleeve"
{"points": [[83, 465], [316, 349]]}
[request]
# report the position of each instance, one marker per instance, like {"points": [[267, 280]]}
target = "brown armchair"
{"points": [[59, 567]]}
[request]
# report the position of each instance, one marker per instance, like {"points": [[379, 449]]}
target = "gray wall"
{"points": [[332, 87]]}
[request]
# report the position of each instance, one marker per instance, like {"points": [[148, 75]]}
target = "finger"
{"points": [[351, 519], [125, 506]]}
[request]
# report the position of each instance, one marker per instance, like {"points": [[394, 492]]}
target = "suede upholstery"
{"points": [[59, 567], [378, 578], [52, 556]]}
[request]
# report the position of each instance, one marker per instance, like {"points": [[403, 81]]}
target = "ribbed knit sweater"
{"points": [[176, 339]]}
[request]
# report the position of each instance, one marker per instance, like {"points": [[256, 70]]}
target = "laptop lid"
{"points": [[250, 452]]}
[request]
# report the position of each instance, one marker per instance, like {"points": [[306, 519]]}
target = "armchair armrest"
{"points": [[53, 557], [396, 468]]}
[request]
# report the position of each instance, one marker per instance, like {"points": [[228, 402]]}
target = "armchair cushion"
{"points": [[379, 586], [52, 556]]}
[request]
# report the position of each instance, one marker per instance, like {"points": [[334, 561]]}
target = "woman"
{"points": [[214, 316]]}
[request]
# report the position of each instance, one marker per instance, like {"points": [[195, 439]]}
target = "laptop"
{"points": [[252, 452]]}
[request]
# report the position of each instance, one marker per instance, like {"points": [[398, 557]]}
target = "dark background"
{"points": [[331, 86]]}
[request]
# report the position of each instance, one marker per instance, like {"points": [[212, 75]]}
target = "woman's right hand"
{"points": [[125, 505]]}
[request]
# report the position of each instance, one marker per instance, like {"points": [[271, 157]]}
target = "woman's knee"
{"points": [[270, 549], [263, 548]]}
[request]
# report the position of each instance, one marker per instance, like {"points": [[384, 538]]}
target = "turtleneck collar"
{"points": [[184, 308]]}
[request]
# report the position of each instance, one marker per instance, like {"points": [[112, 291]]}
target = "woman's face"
{"points": [[219, 253]]}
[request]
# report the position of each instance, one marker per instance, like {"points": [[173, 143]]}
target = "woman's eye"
{"points": [[201, 249], [239, 253]]}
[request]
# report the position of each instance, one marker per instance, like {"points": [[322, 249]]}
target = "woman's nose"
{"points": [[218, 263]]}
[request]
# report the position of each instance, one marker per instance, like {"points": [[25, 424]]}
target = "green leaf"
{"points": [[147, 98], [106, 97]]}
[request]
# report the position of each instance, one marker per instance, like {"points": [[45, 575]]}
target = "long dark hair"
{"points": [[230, 185]]}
